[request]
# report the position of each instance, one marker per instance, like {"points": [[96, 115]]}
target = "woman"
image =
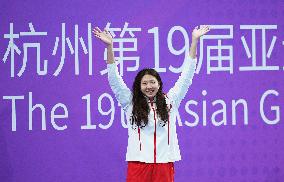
{"points": [[152, 138]]}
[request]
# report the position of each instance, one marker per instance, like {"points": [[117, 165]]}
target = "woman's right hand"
{"points": [[104, 36]]}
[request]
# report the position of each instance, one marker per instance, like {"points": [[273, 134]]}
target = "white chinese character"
{"points": [[121, 48], [12, 48], [220, 61], [65, 40], [252, 54]]}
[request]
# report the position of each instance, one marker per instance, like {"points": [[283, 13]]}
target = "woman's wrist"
{"points": [[194, 40], [109, 46]]}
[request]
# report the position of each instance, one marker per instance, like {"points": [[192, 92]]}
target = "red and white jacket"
{"points": [[156, 142]]}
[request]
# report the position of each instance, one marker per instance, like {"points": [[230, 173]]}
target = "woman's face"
{"points": [[149, 85]]}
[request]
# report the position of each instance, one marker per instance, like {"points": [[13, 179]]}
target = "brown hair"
{"points": [[141, 108]]}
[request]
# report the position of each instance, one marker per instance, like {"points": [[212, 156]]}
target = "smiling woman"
{"points": [[152, 138], [148, 88]]}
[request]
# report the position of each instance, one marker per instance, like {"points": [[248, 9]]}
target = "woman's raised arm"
{"points": [[119, 88], [178, 92]]}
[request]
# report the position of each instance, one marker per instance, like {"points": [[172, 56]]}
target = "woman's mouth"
{"points": [[149, 91]]}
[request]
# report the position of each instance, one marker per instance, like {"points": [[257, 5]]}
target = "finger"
{"points": [[204, 29], [98, 29], [207, 29], [107, 32], [94, 30], [96, 33], [97, 36]]}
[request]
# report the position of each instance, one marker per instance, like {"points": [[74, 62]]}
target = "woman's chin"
{"points": [[150, 95]]}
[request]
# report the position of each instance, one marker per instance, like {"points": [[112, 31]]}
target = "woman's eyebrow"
{"points": [[150, 80]]}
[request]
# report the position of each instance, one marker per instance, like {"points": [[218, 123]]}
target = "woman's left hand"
{"points": [[198, 32]]}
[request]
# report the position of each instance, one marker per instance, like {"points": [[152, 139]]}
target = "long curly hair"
{"points": [[141, 108]]}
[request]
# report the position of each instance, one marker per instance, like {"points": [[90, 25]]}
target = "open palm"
{"points": [[198, 32], [104, 36]]}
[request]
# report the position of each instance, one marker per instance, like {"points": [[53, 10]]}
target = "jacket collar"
{"points": [[151, 100]]}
